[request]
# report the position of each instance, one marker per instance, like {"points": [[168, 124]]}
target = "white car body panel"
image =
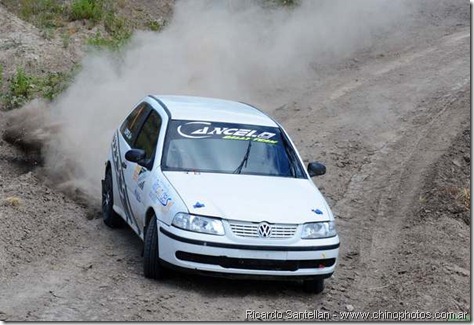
{"points": [[204, 109], [173, 246], [251, 198]]}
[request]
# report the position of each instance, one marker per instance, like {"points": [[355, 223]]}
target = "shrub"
{"points": [[86, 9], [23, 87], [114, 42], [42, 13], [154, 25]]}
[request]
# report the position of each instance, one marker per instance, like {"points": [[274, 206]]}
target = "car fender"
{"points": [[163, 198]]}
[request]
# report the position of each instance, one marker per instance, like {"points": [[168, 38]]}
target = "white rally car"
{"points": [[218, 187]]}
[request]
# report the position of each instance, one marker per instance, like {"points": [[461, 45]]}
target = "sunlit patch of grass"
{"points": [[461, 195], [465, 197], [13, 201]]}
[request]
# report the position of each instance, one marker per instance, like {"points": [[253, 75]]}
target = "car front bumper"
{"points": [[219, 255]]}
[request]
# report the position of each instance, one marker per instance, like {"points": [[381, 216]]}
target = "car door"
{"points": [[126, 138], [137, 175]]}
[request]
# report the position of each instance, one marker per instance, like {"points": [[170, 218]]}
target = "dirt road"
{"points": [[386, 123]]}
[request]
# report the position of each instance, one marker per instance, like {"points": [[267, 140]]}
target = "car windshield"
{"points": [[217, 147]]}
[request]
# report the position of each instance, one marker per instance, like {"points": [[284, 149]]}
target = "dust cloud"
{"points": [[236, 50]]}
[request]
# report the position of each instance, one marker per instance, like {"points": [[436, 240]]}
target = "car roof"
{"points": [[194, 108]]}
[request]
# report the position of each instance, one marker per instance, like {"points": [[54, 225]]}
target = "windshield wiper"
{"points": [[238, 170]]}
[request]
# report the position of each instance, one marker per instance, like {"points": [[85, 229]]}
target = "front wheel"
{"points": [[313, 286], [151, 258]]}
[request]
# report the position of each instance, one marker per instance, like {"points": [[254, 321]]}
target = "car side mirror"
{"points": [[316, 169], [136, 155]]}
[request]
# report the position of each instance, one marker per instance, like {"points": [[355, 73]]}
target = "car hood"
{"points": [[251, 198]]}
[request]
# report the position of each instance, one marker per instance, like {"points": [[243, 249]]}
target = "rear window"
{"points": [[131, 125]]}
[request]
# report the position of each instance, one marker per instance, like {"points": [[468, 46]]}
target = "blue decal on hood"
{"points": [[198, 205], [317, 211]]}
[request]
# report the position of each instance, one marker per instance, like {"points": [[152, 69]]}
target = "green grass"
{"points": [[153, 25], [42, 13], [113, 43], [86, 9], [48, 15], [24, 87], [118, 33], [116, 26], [20, 89], [66, 40], [51, 16], [47, 33], [56, 13], [21, 83], [53, 84]]}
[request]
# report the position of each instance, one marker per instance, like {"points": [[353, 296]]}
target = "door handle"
{"points": [[124, 165]]}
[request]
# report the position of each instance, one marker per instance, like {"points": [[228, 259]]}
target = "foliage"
{"points": [[48, 33], [42, 13], [66, 40], [49, 15], [154, 25], [118, 33], [53, 84], [19, 90], [23, 87], [113, 43], [86, 9]]}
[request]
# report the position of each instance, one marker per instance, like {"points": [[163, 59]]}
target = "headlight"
{"points": [[198, 224], [319, 230]]}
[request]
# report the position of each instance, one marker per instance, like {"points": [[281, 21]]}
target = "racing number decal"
{"points": [[122, 187]]}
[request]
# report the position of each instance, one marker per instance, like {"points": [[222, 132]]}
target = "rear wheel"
{"points": [[111, 218], [151, 259], [313, 286]]}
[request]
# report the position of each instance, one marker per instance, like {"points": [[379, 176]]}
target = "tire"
{"points": [[151, 259], [313, 286], [111, 218]]}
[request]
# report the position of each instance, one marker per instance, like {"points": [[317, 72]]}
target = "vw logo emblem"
{"points": [[264, 229]]}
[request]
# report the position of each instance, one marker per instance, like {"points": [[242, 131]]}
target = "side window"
{"points": [[148, 135], [129, 128]]}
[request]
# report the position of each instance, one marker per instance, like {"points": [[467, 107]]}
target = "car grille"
{"points": [[251, 229]]}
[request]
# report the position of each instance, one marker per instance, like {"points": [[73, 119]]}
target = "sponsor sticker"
{"points": [[127, 133], [122, 188], [159, 193], [137, 195], [139, 173], [227, 131]]}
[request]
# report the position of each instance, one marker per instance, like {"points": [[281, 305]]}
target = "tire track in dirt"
{"points": [[393, 204], [379, 197], [409, 132]]}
